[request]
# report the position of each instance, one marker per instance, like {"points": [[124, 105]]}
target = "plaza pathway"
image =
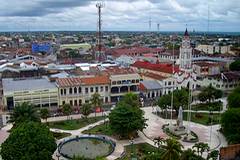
{"points": [[154, 129], [155, 124]]}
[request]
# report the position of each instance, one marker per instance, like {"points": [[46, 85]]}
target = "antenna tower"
{"points": [[99, 55], [158, 26], [150, 23]]}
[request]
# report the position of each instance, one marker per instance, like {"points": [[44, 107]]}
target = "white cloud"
{"points": [[119, 15]]}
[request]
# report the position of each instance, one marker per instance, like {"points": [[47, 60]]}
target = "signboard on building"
{"points": [[41, 47]]}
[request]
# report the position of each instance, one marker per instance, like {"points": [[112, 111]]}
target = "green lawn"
{"points": [[215, 106], [100, 129], [140, 151], [74, 124], [203, 118], [60, 135]]}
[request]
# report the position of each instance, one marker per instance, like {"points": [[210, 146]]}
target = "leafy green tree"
{"points": [[173, 150], [164, 101], [234, 98], [96, 101], [209, 94], [230, 122], [180, 99], [86, 109], [130, 99], [213, 155], [30, 140], [125, 120], [67, 110], [189, 154], [235, 66], [24, 112], [44, 113]]}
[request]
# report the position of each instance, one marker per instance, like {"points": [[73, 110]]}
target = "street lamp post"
{"points": [[211, 117], [58, 155]]}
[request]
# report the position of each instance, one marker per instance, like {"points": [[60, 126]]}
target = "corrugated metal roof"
{"points": [[151, 85], [13, 85]]}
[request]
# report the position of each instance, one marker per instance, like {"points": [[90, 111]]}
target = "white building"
{"points": [[211, 49], [37, 91]]}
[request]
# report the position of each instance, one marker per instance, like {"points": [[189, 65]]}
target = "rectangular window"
{"points": [[61, 91], [65, 91], [86, 90], [96, 89], [91, 89], [106, 99], [71, 102], [75, 102], [106, 89], [63, 102], [80, 102], [101, 89]]}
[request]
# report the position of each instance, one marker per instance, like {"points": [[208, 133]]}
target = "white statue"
{"points": [[180, 118]]}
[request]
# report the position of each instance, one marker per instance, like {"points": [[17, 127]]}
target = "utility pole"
{"points": [[150, 24], [158, 26]]}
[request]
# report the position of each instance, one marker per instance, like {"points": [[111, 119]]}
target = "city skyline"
{"points": [[172, 15]]}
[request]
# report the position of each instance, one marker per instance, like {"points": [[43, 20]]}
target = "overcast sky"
{"points": [[120, 15]]}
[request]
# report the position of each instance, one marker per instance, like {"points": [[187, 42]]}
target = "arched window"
{"points": [[75, 90], [70, 90]]}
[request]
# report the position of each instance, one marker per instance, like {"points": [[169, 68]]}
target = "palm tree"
{"points": [[67, 110], [24, 112], [173, 150], [86, 109], [96, 101], [158, 141], [44, 113]]}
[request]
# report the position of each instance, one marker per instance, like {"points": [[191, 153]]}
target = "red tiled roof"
{"points": [[153, 76], [76, 81], [68, 82], [160, 67], [207, 64], [230, 151], [96, 80], [133, 50], [117, 70]]}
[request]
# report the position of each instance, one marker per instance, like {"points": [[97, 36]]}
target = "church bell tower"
{"points": [[186, 54]]}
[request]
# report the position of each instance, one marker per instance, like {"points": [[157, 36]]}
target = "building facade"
{"points": [[37, 91], [77, 91]]}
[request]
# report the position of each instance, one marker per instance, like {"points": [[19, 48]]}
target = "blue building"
{"points": [[41, 47]]}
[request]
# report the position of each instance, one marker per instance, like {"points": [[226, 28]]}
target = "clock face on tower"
{"points": [[185, 43]]}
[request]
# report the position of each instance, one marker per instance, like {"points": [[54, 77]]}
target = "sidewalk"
{"points": [[74, 116]]}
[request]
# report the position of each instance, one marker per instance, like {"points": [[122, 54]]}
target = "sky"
{"points": [[120, 15]]}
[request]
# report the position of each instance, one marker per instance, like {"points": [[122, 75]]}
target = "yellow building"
{"points": [[37, 91]]}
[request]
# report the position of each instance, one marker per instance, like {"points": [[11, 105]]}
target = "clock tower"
{"points": [[186, 54]]}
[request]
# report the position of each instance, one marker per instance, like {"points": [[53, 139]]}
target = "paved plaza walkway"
{"points": [[155, 124], [154, 129]]}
